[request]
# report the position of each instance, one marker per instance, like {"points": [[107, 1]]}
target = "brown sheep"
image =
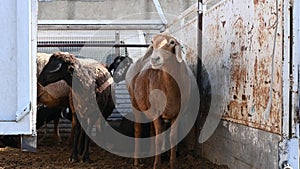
{"points": [[90, 85], [55, 95], [156, 70]]}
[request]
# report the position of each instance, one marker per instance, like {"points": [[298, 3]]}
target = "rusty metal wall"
{"points": [[238, 41]]}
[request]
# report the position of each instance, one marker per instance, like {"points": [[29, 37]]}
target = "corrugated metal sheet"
{"points": [[238, 40]]}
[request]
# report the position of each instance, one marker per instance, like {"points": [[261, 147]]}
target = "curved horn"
{"points": [[56, 69]]}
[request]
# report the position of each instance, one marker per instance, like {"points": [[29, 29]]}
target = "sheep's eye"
{"points": [[172, 42], [152, 42]]}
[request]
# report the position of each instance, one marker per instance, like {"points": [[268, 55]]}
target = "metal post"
{"points": [[117, 39], [198, 123]]}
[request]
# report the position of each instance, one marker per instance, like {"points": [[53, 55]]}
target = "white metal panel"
{"points": [[8, 60], [238, 45], [18, 67]]}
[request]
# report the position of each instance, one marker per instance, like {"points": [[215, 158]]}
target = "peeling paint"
{"points": [[244, 45]]}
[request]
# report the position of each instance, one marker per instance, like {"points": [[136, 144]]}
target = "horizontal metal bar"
{"points": [[83, 44], [100, 22], [100, 27], [2, 121]]}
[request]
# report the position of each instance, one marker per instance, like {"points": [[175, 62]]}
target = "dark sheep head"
{"points": [[119, 68], [59, 67]]}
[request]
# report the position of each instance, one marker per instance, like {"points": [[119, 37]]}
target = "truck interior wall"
{"points": [[240, 146], [241, 48]]}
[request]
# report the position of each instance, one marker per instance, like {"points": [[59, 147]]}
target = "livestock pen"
{"points": [[244, 56]]}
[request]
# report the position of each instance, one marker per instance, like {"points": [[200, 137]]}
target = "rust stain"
{"points": [[256, 2], [223, 23], [246, 44], [261, 30], [238, 106]]}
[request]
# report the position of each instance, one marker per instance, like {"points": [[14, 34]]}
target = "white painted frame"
{"points": [[289, 147], [24, 50]]}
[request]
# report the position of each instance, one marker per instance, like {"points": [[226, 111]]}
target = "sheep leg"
{"points": [[137, 136], [83, 146], [86, 156], [173, 138], [152, 142], [44, 131], [158, 143], [81, 141], [56, 134], [77, 131], [71, 137], [72, 108]]}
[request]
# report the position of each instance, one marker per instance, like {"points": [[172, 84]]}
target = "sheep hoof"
{"points": [[173, 165], [138, 166], [87, 161], [73, 160], [157, 167]]}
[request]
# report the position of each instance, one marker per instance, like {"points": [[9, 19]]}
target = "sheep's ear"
{"points": [[178, 53], [56, 68], [70, 68], [148, 52]]}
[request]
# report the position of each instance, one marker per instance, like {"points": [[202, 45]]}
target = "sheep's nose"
{"points": [[155, 59]]}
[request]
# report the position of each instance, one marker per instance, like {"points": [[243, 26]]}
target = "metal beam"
{"points": [[87, 44], [160, 12], [101, 24]]}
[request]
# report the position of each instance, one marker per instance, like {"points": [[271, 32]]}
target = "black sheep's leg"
{"points": [[81, 142], [86, 153]]}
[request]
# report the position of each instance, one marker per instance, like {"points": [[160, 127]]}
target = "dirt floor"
{"points": [[52, 155]]}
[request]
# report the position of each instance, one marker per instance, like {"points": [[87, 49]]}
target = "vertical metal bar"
{"points": [[117, 39], [293, 143], [295, 63], [33, 66], [198, 123], [287, 150]]}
